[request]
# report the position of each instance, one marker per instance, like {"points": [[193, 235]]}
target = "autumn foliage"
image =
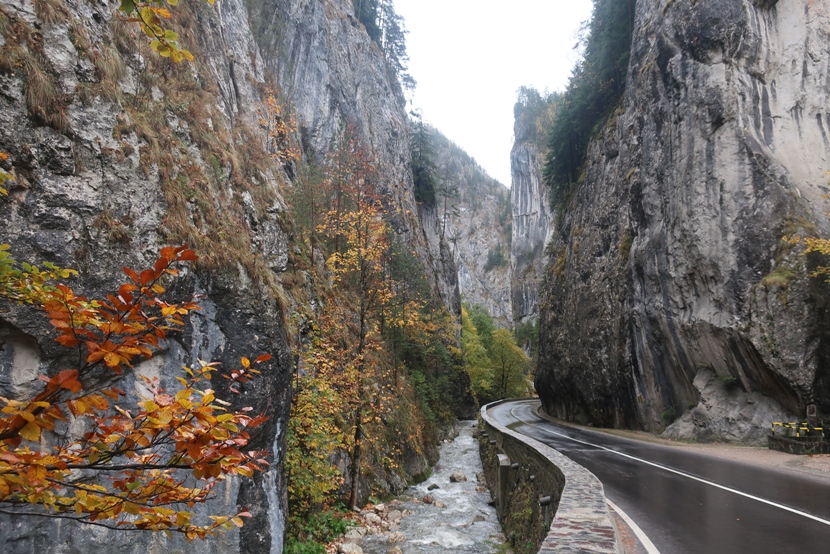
{"points": [[150, 16], [75, 450], [368, 379]]}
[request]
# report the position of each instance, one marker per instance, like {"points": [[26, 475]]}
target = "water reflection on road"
{"points": [[459, 519]]}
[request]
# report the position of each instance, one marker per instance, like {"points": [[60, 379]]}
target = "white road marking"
{"points": [[644, 540], [681, 473]]}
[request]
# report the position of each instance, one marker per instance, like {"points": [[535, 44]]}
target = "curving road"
{"points": [[689, 502]]}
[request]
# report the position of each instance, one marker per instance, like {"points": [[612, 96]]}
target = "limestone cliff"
{"points": [[477, 227], [334, 76], [532, 216], [116, 152], [668, 265]]}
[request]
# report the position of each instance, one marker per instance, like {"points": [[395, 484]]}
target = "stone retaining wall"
{"points": [[798, 446], [523, 474]]}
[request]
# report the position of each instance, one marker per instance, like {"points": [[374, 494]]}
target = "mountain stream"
{"points": [[449, 512]]}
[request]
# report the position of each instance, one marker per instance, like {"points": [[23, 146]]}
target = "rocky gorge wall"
{"points": [[668, 268], [477, 227], [116, 152], [531, 231], [335, 76]]}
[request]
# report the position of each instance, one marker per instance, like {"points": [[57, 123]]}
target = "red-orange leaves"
{"points": [[158, 459], [67, 379]]}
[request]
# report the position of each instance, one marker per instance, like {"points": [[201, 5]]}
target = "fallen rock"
{"points": [[439, 504], [427, 499], [372, 519], [396, 537], [349, 548], [356, 533], [394, 516], [478, 518], [458, 477], [395, 550], [380, 508], [432, 487]]}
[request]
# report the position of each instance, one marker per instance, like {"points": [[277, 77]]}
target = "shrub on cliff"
{"points": [[594, 90], [69, 451]]}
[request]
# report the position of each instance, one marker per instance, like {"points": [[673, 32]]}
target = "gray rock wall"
{"points": [[116, 152], [532, 227], [669, 261], [98, 162], [335, 76], [477, 224]]}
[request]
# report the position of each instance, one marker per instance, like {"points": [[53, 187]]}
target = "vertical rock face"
{"points": [[335, 76], [669, 262], [116, 152], [475, 221], [532, 226], [111, 150]]}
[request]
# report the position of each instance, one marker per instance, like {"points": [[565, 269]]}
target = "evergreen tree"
{"points": [[368, 13], [423, 166], [595, 88]]}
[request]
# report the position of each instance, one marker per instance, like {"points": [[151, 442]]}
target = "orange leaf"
{"points": [[131, 274], [263, 358], [147, 276], [67, 340], [188, 256], [125, 290], [63, 376], [31, 431], [194, 451], [112, 360], [73, 385]]}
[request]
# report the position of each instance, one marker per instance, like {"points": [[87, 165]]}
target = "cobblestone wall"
{"points": [[546, 502]]}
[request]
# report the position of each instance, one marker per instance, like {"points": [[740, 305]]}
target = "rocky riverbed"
{"points": [[449, 512]]}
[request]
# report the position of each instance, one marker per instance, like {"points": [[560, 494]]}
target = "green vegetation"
{"points": [[626, 242], [527, 336], [780, 277], [669, 415], [595, 88], [386, 28], [317, 530], [498, 368], [495, 258], [728, 380], [423, 166], [534, 114]]}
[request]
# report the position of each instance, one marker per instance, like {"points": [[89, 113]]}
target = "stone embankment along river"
{"points": [[521, 470], [449, 512]]}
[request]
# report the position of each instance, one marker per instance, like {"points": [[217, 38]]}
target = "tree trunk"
{"points": [[356, 455]]}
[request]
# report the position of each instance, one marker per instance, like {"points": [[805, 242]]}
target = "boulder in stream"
{"points": [[458, 477]]}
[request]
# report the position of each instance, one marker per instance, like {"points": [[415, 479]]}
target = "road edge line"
{"points": [[639, 533]]}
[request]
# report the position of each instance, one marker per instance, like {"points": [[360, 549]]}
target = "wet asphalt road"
{"points": [[677, 510]]}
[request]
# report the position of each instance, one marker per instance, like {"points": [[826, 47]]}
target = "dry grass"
{"points": [[52, 12], [124, 34], [22, 56], [116, 229], [44, 99]]}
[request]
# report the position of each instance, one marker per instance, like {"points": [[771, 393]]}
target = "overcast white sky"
{"points": [[470, 57]]}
